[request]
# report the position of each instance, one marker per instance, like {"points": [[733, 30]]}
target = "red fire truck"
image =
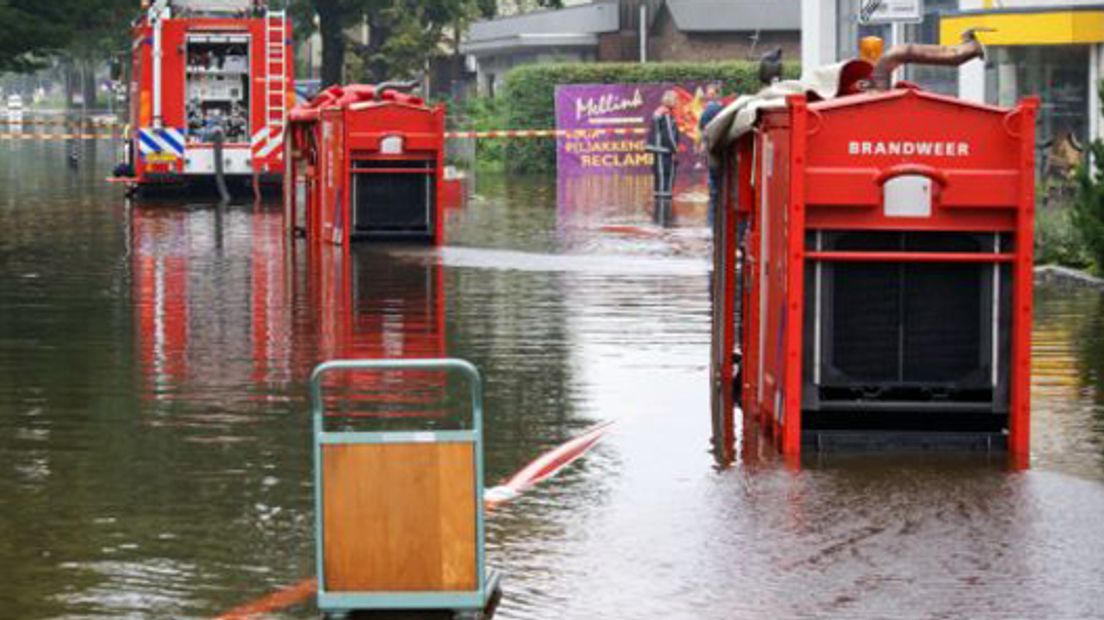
{"points": [[206, 72]]}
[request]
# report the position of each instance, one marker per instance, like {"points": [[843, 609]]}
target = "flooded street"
{"points": [[154, 432]]}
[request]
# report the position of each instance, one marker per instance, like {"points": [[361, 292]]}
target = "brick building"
{"points": [[612, 31], [724, 30]]}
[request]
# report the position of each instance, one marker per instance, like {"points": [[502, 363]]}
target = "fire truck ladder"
{"points": [[276, 70]]}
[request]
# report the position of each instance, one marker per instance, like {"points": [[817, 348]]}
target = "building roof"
{"points": [[574, 26], [735, 15], [579, 26]]}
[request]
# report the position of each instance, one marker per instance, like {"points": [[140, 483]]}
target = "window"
{"points": [[1059, 74]]}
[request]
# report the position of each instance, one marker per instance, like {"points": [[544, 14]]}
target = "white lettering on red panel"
{"points": [[908, 148]]}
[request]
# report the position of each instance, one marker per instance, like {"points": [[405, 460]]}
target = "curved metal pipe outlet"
{"points": [[402, 87], [922, 54]]}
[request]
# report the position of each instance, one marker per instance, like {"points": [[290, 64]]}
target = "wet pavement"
{"points": [[154, 439]]}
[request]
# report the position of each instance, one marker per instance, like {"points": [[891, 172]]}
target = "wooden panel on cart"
{"points": [[396, 519]]}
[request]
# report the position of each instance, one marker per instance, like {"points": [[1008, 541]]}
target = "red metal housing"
{"points": [[191, 71], [366, 164], [888, 280]]}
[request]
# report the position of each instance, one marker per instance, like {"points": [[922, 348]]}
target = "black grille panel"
{"points": [[866, 309], [393, 204], [942, 320], [904, 342]]}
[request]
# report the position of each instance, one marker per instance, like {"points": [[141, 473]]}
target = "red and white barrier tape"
{"points": [[449, 135], [548, 133], [18, 137], [44, 122]]}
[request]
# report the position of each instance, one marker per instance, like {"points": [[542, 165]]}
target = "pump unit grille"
{"points": [[906, 337], [393, 199]]}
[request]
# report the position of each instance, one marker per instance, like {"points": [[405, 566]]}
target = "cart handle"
{"points": [[464, 367], [923, 170]]}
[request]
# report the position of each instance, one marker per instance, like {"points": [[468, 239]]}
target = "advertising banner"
{"points": [[605, 127]]}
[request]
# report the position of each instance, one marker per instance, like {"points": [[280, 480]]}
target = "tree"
{"points": [[97, 30], [77, 34], [404, 34], [33, 31]]}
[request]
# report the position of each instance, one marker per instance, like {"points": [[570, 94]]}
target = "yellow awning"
{"points": [[1068, 27]]}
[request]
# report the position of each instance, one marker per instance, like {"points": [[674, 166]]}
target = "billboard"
{"points": [[604, 129]]}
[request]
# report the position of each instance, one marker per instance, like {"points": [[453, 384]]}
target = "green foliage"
{"points": [[34, 30], [404, 34], [481, 114], [1088, 206], [100, 28], [37, 31], [1057, 240], [528, 95], [1087, 213]]}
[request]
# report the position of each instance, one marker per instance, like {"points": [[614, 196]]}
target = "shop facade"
{"points": [[1054, 49]]}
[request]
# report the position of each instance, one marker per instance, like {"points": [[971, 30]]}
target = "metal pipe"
{"points": [[923, 54], [849, 256], [403, 87], [158, 11]]}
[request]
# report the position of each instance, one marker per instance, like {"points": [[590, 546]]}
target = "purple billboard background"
{"points": [[624, 106]]}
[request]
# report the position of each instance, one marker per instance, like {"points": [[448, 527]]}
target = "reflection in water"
{"points": [[629, 199], [367, 303], [1067, 426], [155, 444], [211, 300]]}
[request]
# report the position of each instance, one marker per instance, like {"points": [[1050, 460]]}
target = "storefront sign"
{"points": [[604, 127]]}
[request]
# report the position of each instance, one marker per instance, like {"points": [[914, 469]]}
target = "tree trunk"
{"points": [[89, 85], [375, 65], [330, 20], [69, 72]]}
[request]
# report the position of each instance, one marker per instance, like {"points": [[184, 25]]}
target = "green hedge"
{"points": [[528, 95]]}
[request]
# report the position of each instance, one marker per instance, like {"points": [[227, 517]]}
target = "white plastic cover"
{"points": [[908, 195], [740, 116], [391, 145]]}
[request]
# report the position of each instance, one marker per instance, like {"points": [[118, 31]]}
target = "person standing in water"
{"points": [[713, 105], [663, 138]]}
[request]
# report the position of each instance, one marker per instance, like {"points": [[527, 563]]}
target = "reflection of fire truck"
{"points": [[192, 338], [207, 71], [371, 305]]}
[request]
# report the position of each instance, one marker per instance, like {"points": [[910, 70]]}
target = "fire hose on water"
{"points": [[543, 468]]}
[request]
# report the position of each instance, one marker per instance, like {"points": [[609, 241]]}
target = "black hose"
{"points": [[217, 138]]}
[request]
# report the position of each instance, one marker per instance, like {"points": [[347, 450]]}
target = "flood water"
{"points": [[155, 458]]}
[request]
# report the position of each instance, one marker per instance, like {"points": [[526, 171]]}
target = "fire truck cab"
{"points": [[207, 71]]}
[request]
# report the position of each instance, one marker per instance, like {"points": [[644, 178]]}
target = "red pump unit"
{"points": [[367, 163], [886, 289], [202, 64]]}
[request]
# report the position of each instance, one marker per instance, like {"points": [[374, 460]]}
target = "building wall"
{"points": [[621, 46], [668, 44], [493, 69]]}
